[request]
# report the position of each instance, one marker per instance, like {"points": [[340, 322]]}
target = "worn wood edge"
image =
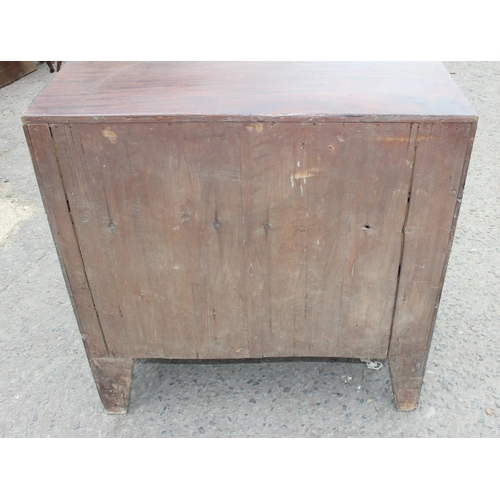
{"points": [[47, 119], [451, 238], [407, 395], [465, 168], [100, 349], [406, 390], [106, 352], [113, 378]]}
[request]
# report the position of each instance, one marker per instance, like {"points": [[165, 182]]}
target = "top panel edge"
{"points": [[239, 89]]}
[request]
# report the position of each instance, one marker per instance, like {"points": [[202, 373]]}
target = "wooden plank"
{"points": [[324, 209], [380, 158], [12, 71], [158, 219], [54, 200], [324, 177], [439, 175], [238, 90], [275, 215]]}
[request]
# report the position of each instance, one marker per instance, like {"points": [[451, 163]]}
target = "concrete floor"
{"points": [[46, 388]]}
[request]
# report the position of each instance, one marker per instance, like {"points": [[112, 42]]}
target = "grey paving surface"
{"points": [[46, 388]]}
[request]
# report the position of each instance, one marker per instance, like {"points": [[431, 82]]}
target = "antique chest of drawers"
{"points": [[250, 210]]}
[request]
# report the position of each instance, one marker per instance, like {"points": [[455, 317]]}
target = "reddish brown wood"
{"points": [[323, 242], [12, 71], [220, 91], [219, 210]]}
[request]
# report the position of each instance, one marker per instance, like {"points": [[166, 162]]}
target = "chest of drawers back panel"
{"points": [[248, 213]]}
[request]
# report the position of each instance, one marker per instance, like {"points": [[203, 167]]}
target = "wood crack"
{"points": [[76, 237], [412, 144]]}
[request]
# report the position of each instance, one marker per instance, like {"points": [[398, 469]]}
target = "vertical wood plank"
{"points": [[380, 158], [160, 226], [324, 208], [275, 216], [440, 166], [325, 178], [61, 226]]}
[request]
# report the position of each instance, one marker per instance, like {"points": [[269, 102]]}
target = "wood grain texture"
{"points": [[324, 209], [380, 159], [157, 212], [277, 229], [440, 166], [220, 91], [55, 203], [113, 377], [161, 231], [244, 210]]}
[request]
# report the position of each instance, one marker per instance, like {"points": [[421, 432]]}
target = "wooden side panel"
{"points": [[286, 240], [324, 209], [157, 212], [54, 199], [440, 166], [324, 177]]}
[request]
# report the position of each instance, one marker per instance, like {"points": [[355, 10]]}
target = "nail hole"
{"points": [[302, 145], [366, 227]]}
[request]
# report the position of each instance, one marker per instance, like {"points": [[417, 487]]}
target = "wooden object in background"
{"points": [[51, 66], [248, 210], [10, 71]]}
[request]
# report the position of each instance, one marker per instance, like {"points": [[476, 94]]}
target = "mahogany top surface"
{"points": [[98, 91]]}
